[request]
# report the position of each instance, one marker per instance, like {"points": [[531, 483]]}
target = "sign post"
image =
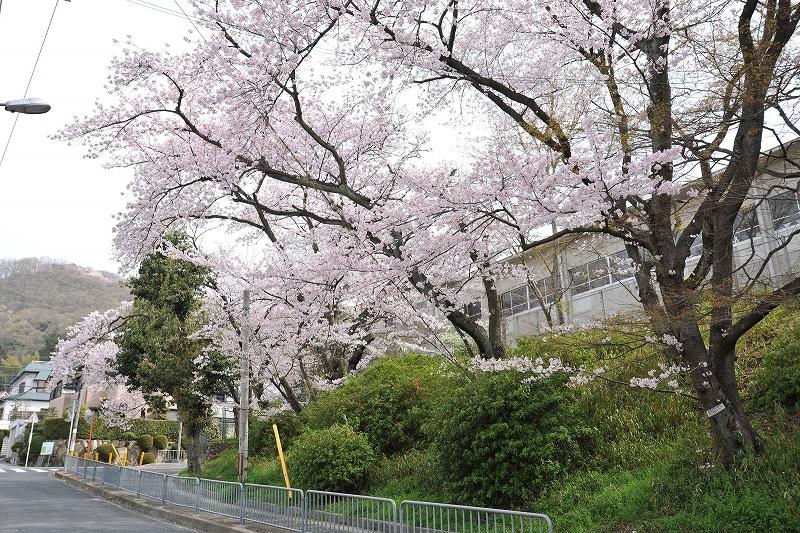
{"points": [[47, 449], [33, 419]]}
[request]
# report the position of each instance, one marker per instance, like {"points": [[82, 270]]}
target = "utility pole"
{"points": [[33, 419], [73, 422], [244, 387]]}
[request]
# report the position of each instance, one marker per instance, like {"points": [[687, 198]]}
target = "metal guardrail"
{"points": [[171, 456], [312, 511], [426, 517], [276, 506], [328, 512], [182, 491]]}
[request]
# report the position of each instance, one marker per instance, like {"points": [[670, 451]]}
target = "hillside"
{"points": [[40, 298]]}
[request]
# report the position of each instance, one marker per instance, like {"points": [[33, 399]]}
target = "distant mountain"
{"points": [[40, 298]]}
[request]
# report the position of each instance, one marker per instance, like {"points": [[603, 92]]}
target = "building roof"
{"points": [[42, 370]]}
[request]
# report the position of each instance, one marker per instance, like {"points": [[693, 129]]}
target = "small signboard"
{"points": [[47, 448]]}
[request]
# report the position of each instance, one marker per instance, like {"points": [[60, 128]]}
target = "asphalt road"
{"points": [[36, 501]]}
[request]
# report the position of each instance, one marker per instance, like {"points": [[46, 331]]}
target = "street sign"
{"points": [[47, 448], [33, 419], [88, 416]]}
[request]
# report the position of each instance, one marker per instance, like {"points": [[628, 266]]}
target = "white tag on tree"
{"points": [[714, 410]]}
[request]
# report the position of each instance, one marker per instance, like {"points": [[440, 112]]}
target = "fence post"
{"points": [[139, 485], [304, 513], [94, 471], [196, 495], [242, 497], [164, 489]]}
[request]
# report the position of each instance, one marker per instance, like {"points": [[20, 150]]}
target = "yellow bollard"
{"points": [[141, 458], [125, 458], [110, 457], [96, 456]]}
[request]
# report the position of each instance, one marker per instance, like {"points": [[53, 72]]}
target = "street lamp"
{"points": [[27, 106]]}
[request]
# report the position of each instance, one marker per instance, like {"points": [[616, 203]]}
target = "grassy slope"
{"points": [[654, 470]]}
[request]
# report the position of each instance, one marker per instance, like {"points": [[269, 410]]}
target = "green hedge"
{"points": [[55, 428], [104, 431]]}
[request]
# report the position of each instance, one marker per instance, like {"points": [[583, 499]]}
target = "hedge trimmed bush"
{"points": [[334, 459], [145, 442], [160, 442], [105, 431], [128, 436], [55, 428], [103, 450], [148, 458]]}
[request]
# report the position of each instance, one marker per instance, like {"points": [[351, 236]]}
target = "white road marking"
{"points": [[22, 470], [2, 471], [38, 470]]}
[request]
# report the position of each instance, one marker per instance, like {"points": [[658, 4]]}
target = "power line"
{"points": [[30, 79]]}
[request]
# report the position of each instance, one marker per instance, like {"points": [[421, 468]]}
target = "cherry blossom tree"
{"points": [[641, 121]]}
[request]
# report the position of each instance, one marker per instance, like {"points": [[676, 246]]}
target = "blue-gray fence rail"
{"points": [[312, 511]]}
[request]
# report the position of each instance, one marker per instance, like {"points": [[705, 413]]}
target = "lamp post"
{"points": [[27, 106], [33, 419]]}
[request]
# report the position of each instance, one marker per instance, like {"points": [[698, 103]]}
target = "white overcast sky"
{"points": [[52, 201]]}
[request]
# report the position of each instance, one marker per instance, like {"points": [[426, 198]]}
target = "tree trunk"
{"points": [[496, 334], [729, 425], [288, 394], [197, 449]]}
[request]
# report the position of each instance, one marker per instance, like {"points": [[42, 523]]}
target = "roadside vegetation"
{"points": [[602, 457]]}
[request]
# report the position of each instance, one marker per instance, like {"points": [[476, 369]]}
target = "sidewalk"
{"points": [[199, 520]]}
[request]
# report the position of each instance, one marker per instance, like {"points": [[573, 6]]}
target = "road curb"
{"points": [[199, 520]]}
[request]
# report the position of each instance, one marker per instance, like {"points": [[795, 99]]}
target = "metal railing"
{"points": [[426, 517], [171, 456], [182, 491], [327, 512], [276, 506], [308, 512]]}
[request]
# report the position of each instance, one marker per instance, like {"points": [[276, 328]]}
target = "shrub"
{"points": [[777, 382], [55, 428], [388, 402], [160, 442], [128, 436], [499, 441], [148, 458], [105, 431], [262, 438], [104, 450], [335, 459], [145, 442], [22, 449]]}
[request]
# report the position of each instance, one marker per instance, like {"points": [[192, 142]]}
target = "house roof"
{"points": [[42, 370]]}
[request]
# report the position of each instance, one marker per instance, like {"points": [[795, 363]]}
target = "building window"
{"points": [[21, 387], [514, 301], [590, 275], [785, 209], [746, 227], [547, 291], [473, 310]]}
